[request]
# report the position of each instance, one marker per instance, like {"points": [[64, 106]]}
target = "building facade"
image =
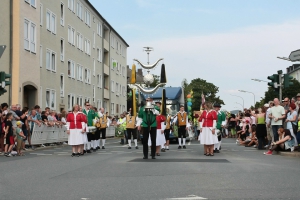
{"points": [[294, 71], [61, 53]]}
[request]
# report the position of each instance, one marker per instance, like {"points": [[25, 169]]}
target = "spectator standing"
{"points": [[261, 131], [2, 125], [20, 138], [15, 116], [4, 107], [9, 135], [286, 106], [25, 126], [277, 114], [33, 120], [291, 121]]}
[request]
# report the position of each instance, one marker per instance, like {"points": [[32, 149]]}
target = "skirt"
{"points": [[160, 139], [261, 130], [207, 138], [75, 137]]}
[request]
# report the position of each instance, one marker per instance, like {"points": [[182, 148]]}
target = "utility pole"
{"points": [[280, 85]]}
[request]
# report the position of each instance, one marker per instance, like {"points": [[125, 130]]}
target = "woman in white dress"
{"points": [[207, 129], [76, 128]]}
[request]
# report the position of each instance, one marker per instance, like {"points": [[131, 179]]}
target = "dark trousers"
{"points": [[182, 132], [260, 142], [167, 134], [131, 131], [97, 134], [146, 132], [90, 136], [275, 133], [298, 138], [103, 133]]}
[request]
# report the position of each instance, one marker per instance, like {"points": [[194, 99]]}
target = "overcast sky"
{"points": [[226, 43]]}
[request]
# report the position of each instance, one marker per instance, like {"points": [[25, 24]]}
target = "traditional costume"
{"points": [[104, 123], [147, 116], [182, 121], [207, 124], [131, 130], [90, 116], [167, 132], [221, 122]]}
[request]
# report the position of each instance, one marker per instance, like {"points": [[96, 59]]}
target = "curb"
{"points": [[290, 154]]}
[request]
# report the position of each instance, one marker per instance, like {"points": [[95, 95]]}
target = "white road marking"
{"points": [[190, 197], [41, 154], [104, 153], [116, 151]]}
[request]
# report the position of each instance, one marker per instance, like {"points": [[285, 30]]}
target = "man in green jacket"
{"points": [[221, 122], [147, 119], [90, 115]]}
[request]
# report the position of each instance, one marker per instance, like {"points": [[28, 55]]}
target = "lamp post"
{"points": [[255, 79], [240, 97], [249, 92], [241, 105]]}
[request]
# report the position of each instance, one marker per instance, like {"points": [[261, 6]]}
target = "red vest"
{"points": [[75, 122], [159, 119], [208, 118]]}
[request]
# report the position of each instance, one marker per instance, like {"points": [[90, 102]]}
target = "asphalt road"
{"points": [[119, 173]]}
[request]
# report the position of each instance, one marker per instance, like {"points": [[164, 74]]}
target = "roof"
{"points": [[104, 20], [172, 93]]}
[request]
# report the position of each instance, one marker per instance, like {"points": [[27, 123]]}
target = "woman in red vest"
{"points": [[76, 127], [207, 129]]}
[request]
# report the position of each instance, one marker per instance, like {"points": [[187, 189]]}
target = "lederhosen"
{"points": [[130, 127], [168, 128], [181, 119]]}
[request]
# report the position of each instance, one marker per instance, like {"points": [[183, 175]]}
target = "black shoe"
{"points": [[73, 154], [145, 157], [84, 151], [88, 151], [129, 147], [136, 147], [163, 150], [97, 147], [81, 154], [153, 157], [179, 147], [77, 154], [94, 150], [168, 149], [217, 151], [103, 147], [184, 146]]}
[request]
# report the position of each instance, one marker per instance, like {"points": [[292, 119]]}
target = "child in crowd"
{"points": [[298, 134], [20, 137], [9, 135]]}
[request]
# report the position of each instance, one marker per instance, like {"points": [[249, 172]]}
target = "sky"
{"points": [[226, 43]]}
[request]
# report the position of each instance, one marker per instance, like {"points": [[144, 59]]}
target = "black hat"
{"points": [[217, 105], [158, 102]]}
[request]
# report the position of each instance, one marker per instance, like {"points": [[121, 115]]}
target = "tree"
{"points": [[200, 86]]}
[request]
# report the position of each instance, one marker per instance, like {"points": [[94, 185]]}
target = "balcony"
{"points": [[106, 45], [106, 93], [106, 70]]}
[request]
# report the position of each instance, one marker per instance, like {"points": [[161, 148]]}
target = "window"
{"points": [[26, 34], [94, 39], [62, 92], [87, 46], [53, 23], [94, 93], [120, 90], [87, 75], [79, 10], [87, 18], [105, 105], [80, 101], [51, 99], [123, 71], [112, 41], [112, 108], [79, 72], [31, 2], [113, 64], [124, 108], [99, 105], [50, 60], [117, 47], [99, 29], [94, 68], [99, 55], [71, 101], [48, 14], [41, 14], [41, 56], [71, 69], [71, 35], [99, 81], [79, 41], [117, 89], [71, 5], [117, 108], [62, 14], [29, 36], [112, 86], [62, 49]]}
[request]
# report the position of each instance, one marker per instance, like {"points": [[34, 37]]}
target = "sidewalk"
{"points": [[290, 154]]}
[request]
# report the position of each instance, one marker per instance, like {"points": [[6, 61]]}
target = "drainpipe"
{"points": [[10, 46]]}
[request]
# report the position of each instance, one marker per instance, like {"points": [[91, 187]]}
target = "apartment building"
{"points": [[61, 53]]}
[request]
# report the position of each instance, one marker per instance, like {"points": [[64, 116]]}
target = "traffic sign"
{"points": [[295, 55], [2, 48]]}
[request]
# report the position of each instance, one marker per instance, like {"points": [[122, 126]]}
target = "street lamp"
{"points": [[249, 92], [255, 79], [240, 97], [240, 104], [284, 58]]}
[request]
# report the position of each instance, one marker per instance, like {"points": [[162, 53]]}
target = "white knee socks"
{"points": [[88, 146], [219, 145], [103, 142], [135, 142], [129, 143], [183, 141], [179, 141]]}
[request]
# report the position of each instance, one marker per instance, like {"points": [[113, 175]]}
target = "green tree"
{"points": [[200, 86]]}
